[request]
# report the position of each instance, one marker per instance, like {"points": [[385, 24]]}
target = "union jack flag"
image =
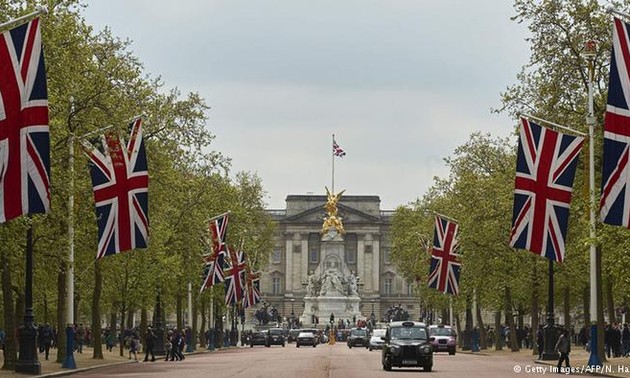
{"points": [[252, 288], [337, 151], [445, 265], [215, 260], [213, 269], [615, 197], [545, 168], [218, 228], [234, 276], [24, 134], [120, 182]]}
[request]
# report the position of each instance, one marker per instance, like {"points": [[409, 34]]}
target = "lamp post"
{"points": [[595, 259], [292, 322]]}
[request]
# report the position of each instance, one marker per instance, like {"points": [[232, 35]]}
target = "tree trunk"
{"points": [[483, 343], [610, 300], [10, 345], [510, 320], [178, 309], [521, 311], [458, 324], [567, 309], [60, 340], [498, 337], [96, 312], [144, 320], [130, 313], [112, 318], [202, 329], [122, 329]]}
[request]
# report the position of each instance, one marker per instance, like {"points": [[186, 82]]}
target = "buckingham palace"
{"points": [[300, 248]]}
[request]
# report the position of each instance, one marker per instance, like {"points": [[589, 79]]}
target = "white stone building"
{"points": [[298, 251]]}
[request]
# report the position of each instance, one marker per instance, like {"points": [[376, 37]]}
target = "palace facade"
{"points": [[297, 252]]}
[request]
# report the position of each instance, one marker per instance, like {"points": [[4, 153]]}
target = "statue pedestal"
{"points": [[332, 286]]}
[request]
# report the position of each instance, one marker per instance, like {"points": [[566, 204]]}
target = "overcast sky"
{"points": [[401, 83]]}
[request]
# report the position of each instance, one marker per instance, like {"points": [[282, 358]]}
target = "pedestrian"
{"points": [[45, 339], [110, 338], [609, 340], [475, 339], [134, 342], [80, 338], [540, 341], [563, 346], [149, 344], [168, 348], [625, 340]]}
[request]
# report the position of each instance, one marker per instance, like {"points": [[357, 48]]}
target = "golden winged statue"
{"points": [[332, 220]]}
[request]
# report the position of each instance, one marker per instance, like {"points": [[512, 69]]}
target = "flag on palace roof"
{"points": [[120, 183], [615, 195], [24, 131], [337, 151], [545, 168], [445, 264]]}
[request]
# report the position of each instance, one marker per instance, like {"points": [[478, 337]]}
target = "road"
{"points": [[323, 361]]}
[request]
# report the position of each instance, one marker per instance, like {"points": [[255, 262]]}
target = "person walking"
{"points": [[45, 339], [540, 341], [134, 342], [563, 346], [149, 344], [625, 340]]}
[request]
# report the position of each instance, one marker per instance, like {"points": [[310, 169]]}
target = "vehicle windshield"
{"points": [[408, 333], [359, 332], [276, 332], [437, 331], [305, 334], [378, 332]]}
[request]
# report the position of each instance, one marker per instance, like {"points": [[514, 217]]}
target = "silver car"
{"points": [[375, 340]]}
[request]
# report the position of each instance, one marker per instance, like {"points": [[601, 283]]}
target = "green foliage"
{"points": [[94, 81]]}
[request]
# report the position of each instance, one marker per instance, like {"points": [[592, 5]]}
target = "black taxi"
{"points": [[406, 344]]}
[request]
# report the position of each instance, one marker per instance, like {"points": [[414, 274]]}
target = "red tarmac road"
{"points": [[323, 361]]}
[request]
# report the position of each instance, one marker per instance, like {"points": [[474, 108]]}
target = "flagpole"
{"points": [[333, 167], [40, 10], [594, 358], [524, 115], [612, 10]]}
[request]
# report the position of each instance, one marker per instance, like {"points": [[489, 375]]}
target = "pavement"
{"points": [[615, 367], [84, 361]]}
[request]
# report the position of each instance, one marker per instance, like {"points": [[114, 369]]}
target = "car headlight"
{"points": [[425, 349], [395, 350]]}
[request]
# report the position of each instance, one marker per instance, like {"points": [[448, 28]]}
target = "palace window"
{"points": [[387, 286], [276, 256], [386, 255], [275, 288]]}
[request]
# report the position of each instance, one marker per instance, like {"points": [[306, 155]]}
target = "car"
{"points": [[358, 337], [275, 336], [293, 334], [375, 339], [306, 338], [315, 333], [444, 338], [258, 338], [407, 344]]}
